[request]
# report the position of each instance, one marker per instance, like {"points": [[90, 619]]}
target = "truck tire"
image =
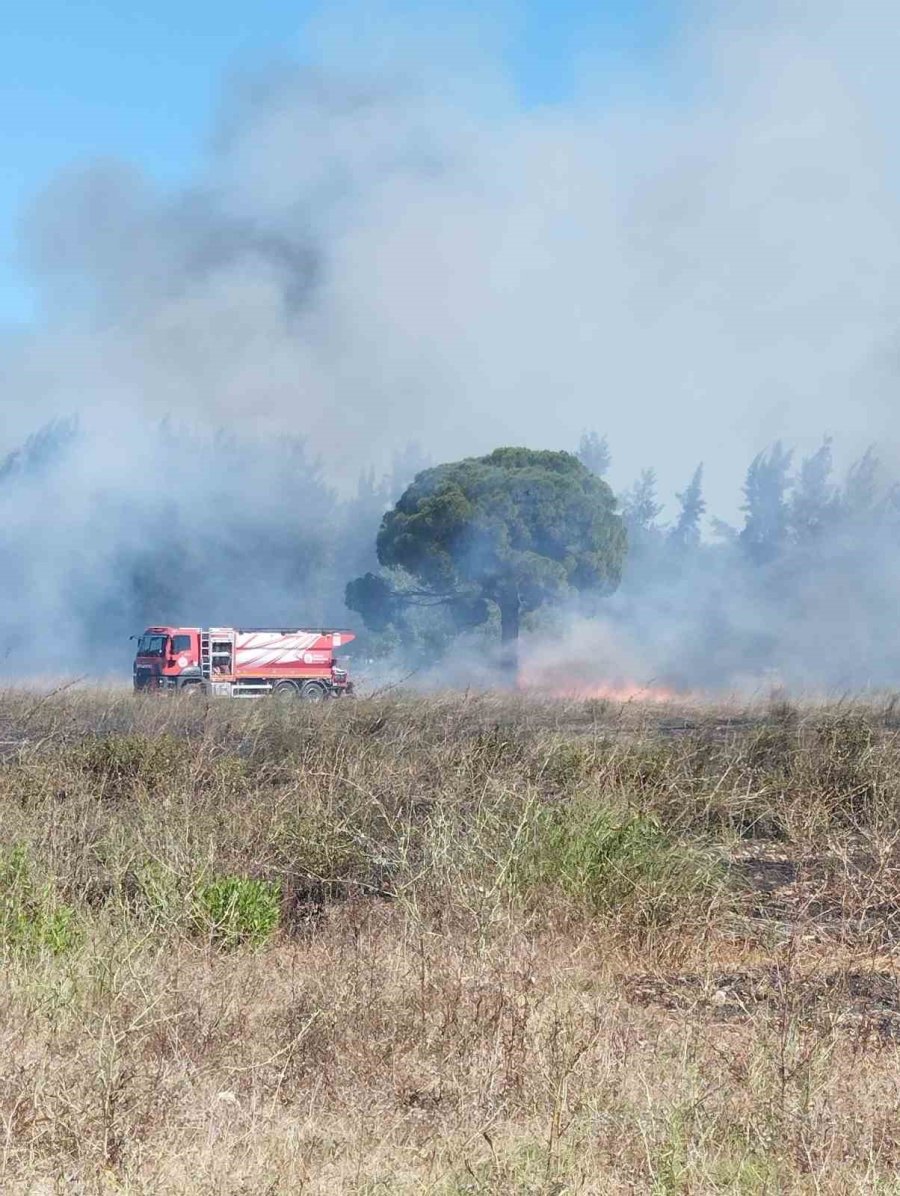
{"points": [[285, 691], [312, 691]]}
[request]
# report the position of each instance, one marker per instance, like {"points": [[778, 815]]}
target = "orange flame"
{"points": [[549, 683]]}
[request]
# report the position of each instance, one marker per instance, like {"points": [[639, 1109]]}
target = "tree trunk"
{"points": [[509, 636]]}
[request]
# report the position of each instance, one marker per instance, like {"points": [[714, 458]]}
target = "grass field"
{"points": [[456, 945]]}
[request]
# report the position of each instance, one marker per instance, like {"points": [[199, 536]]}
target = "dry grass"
{"points": [[454, 945]]}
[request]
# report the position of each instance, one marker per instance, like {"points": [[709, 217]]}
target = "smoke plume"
{"points": [[384, 246]]}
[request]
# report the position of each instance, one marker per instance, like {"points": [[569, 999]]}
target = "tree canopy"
{"points": [[514, 529]]}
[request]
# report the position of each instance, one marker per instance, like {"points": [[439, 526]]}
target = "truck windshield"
{"points": [[151, 645]]}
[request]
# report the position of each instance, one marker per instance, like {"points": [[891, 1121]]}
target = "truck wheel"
{"points": [[193, 689], [285, 691], [312, 692]]}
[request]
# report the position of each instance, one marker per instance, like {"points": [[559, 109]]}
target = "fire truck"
{"points": [[233, 662]]}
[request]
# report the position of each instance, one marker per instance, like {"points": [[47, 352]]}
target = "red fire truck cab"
{"points": [[243, 661]]}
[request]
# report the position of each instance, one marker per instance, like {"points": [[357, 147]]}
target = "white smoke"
{"points": [[385, 246], [375, 258]]}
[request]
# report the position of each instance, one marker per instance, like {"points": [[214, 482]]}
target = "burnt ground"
{"points": [[828, 924]]}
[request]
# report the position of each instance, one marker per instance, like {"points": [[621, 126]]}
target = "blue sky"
{"points": [[141, 79]]}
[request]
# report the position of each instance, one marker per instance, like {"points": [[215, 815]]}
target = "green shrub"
{"points": [[238, 910], [32, 919], [629, 869]]}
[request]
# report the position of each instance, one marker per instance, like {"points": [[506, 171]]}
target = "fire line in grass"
{"points": [[552, 683]]}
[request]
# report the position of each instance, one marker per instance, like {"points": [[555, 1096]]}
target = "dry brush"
{"points": [[465, 944]]}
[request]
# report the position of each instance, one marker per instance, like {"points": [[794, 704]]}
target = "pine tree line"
{"points": [[802, 589], [783, 507]]}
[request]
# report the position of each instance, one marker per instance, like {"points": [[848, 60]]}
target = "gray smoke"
{"points": [[384, 246]]}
